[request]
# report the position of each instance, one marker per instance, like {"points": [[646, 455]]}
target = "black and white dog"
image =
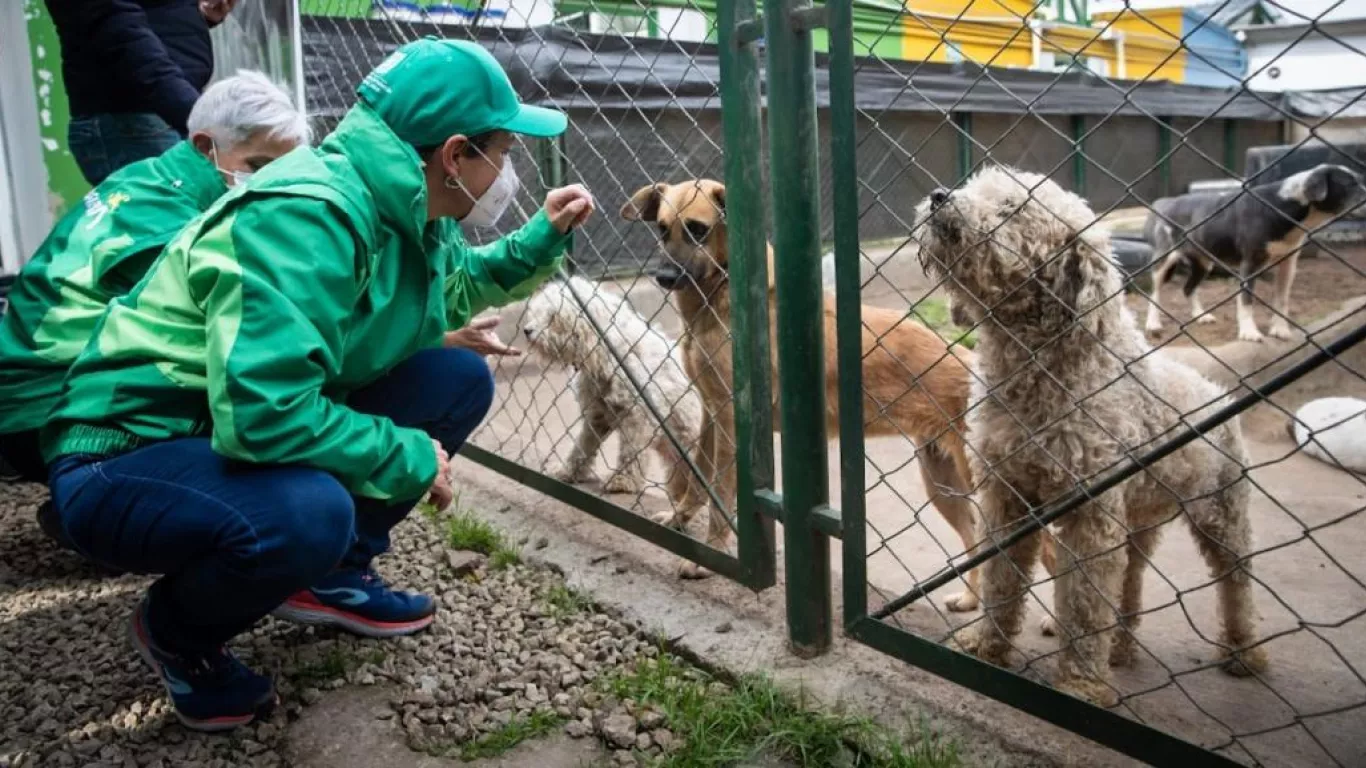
{"points": [[1247, 230]]}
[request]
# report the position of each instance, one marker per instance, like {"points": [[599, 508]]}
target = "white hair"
{"points": [[236, 108]]}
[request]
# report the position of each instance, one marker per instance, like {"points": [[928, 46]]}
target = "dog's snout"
{"points": [[528, 331], [939, 196]]}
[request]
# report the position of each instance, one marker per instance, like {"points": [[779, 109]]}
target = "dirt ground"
{"points": [[1309, 710]]}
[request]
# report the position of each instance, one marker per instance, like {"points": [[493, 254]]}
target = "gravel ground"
{"points": [[73, 693]]}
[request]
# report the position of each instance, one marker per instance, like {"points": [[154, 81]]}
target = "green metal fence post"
{"points": [[748, 245], [794, 176], [1078, 123], [849, 310], [553, 162], [1164, 159], [963, 120], [1231, 147]]}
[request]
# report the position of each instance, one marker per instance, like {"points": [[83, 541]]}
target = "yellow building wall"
{"points": [[996, 33]]}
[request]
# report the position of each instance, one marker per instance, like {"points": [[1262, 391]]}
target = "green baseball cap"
{"points": [[432, 89]]}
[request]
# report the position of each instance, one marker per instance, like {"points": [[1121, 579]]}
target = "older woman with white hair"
{"points": [[103, 247]]}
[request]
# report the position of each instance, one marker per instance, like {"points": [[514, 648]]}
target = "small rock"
{"points": [[598, 559], [571, 678], [253, 747], [311, 696], [266, 731], [644, 742], [624, 757], [578, 729], [663, 738], [542, 543], [462, 561], [650, 719], [724, 628], [384, 713], [366, 679], [620, 569], [619, 730]]}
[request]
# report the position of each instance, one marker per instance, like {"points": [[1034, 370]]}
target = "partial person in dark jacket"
{"points": [[133, 70]]}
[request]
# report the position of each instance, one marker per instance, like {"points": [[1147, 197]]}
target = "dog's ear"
{"points": [[644, 204], [718, 196], [1316, 186], [1077, 284]]}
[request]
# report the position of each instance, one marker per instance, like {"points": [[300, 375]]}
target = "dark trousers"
{"points": [[234, 539]]}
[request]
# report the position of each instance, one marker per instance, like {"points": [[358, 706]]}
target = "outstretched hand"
{"points": [[478, 337], [568, 207]]}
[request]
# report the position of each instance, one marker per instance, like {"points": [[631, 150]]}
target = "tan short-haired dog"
{"points": [[914, 385]]}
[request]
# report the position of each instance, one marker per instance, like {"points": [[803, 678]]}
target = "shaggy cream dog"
{"points": [[558, 329], [1066, 387]]}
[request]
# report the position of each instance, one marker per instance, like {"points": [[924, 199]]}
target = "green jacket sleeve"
{"points": [[506, 270], [279, 280]]}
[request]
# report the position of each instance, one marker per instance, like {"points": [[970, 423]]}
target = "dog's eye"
{"points": [[698, 231], [663, 231]]}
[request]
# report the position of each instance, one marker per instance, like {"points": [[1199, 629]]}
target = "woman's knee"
{"points": [[317, 520], [475, 380]]}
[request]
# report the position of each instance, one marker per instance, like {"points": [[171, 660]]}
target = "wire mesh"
{"points": [[602, 399], [1053, 408]]}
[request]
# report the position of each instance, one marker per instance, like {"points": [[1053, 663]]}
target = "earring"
{"points": [[451, 183]]}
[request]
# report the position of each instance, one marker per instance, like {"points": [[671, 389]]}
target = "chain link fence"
{"points": [[602, 402], [1065, 417], [1102, 109]]}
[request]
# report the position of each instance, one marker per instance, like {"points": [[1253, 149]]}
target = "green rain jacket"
{"points": [[311, 281], [97, 252]]}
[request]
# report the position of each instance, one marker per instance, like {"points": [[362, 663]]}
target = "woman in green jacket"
{"points": [[274, 396]]}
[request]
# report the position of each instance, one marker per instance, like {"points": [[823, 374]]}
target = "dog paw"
{"points": [[1152, 327], [1095, 691], [620, 483], [986, 644], [573, 477], [1247, 662], [669, 519], [1280, 329], [1122, 653], [1206, 318], [1048, 626], [962, 602], [1250, 333], [692, 571]]}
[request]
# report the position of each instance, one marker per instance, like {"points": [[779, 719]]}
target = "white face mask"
{"points": [[234, 178], [495, 201]]}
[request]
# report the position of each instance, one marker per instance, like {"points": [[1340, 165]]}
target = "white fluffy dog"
{"points": [[558, 329], [1066, 387]]}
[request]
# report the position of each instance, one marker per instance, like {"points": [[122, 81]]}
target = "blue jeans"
{"points": [[234, 539], [105, 143]]}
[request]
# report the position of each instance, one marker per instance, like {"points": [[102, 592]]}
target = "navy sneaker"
{"points": [[51, 525], [210, 692], [360, 602]]}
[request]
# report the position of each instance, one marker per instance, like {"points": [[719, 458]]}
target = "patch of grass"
{"points": [[754, 718], [504, 557], [466, 531], [562, 601], [933, 311], [518, 730]]}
